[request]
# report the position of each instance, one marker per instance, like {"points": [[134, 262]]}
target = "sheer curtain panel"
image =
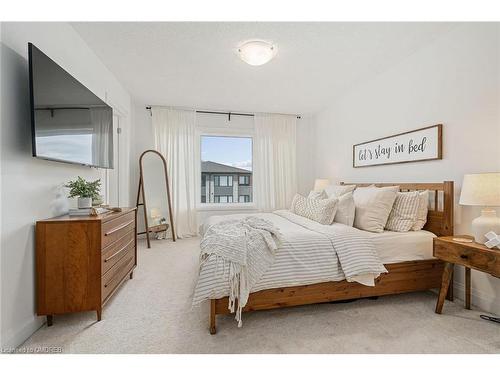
{"points": [[275, 161], [174, 133]]}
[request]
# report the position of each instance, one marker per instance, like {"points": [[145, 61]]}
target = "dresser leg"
{"points": [[99, 314], [131, 275], [49, 320], [445, 284], [467, 288]]}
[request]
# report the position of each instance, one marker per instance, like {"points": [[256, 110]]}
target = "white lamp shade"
{"points": [[257, 52], [321, 184], [481, 189], [155, 213]]}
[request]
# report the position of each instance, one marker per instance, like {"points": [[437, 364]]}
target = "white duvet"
{"points": [[310, 253]]}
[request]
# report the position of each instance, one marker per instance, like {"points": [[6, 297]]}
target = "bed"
{"points": [[302, 273]]}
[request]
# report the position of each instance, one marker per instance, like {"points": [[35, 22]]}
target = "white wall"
{"points": [[28, 184], [454, 81]]}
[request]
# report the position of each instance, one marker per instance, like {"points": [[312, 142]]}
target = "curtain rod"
{"points": [[229, 114]]}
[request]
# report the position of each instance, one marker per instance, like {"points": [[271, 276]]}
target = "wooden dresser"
{"points": [[82, 260]]}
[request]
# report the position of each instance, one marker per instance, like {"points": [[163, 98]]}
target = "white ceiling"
{"points": [[195, 64]]}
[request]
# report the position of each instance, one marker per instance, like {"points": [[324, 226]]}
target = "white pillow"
{"points": [[373, 206], [320, 210], [338, 190], [404, 212], [423, 205], [345, 210], [313, 194]]}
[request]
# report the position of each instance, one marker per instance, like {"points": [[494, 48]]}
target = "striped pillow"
{"points": [[404, 212], [320, 210], [423, 204]]}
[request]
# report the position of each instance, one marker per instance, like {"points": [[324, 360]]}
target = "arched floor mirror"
{"points": [[153, 195]]}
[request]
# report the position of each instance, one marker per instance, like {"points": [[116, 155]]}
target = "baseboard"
{"points": [[13, 339], [479, 299]]}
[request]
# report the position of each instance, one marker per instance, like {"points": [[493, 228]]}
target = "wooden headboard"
{"points": [[441, 205]]}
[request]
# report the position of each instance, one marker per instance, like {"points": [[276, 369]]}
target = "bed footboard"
{"points": [[402, 277]]}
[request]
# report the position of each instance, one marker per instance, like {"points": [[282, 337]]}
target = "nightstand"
{"points": [[471, 255]]}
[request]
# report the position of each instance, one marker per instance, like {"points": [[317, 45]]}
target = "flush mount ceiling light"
{"points": [[257, 52]]}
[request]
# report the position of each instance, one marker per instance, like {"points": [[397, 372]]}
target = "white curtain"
{"points": [[275, 179], [102, 149], [174, 133]]}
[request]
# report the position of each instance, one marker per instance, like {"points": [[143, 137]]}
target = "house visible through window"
{"points": [[226, 169]]}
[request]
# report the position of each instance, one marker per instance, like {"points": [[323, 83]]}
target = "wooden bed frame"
{"points": [[402, 277]]}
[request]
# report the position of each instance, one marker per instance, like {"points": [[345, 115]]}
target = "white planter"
{"points": [[84, 202]]}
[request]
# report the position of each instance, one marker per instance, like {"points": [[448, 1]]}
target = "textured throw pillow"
{"points": [[313, 194], [335, 191], [404, 212], [345, 210], [373, 206], [320, 210], [423, 204]]}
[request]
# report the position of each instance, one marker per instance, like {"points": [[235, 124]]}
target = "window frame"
{"points": [[227, 133]]}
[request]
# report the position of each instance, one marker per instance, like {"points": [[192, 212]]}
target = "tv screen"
{"points": [[68, 122]]}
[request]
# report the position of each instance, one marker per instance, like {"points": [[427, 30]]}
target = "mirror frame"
{"points": [[141, 194]]}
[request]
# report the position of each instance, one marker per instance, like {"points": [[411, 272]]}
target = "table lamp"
{"points": [[155, 215], [482, 189], [321, 184]]}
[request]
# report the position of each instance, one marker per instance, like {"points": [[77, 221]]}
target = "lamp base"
{"points": [[488, 221]]}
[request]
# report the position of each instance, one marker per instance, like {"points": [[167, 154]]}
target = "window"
{"points": [[244, 180], [223, 199], [226, 162], [223, 180]]}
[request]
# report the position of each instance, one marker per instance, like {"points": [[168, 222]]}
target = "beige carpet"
{"points": [[152, 314]]}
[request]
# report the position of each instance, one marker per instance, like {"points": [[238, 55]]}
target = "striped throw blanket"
{"points": [[308, 253], [245, 247]]}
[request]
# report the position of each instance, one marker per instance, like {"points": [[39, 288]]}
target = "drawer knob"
{"points": [[463, 256]]}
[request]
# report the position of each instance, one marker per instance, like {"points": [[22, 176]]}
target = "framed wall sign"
{"points": [[416, 145]]}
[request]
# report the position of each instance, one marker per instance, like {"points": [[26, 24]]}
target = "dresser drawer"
{"points": [[114, 229], [115, 275], [466, 256], [114, 252]]}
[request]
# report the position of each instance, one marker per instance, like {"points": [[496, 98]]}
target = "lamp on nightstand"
{"points": [[321, 183], [155, 215], [482, 189]]}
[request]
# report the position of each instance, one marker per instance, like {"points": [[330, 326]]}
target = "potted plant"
{"points": [[84, 190]]}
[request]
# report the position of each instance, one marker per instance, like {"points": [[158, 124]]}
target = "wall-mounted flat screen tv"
{"points": [[69, 123]]}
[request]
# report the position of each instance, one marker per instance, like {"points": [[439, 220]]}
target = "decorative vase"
{"points": [[488, 221], [84, 202]]}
